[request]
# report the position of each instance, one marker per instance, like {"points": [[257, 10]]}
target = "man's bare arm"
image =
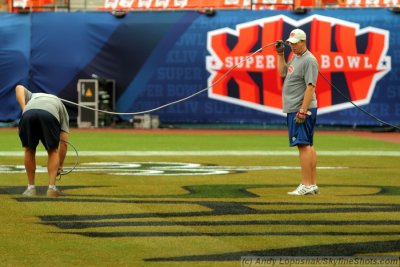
{"points": [[20, 95]]}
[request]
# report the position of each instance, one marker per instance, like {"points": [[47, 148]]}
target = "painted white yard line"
{"points": [[216, 153]]}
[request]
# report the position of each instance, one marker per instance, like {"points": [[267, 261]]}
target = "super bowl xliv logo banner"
{"points": [[350, 59]]}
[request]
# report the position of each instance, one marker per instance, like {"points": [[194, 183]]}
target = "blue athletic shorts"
{"points": [[303, 133], [39, 125]]}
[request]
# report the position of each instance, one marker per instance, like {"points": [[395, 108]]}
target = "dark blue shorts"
{"points": [[39, 125], [301, 134]]}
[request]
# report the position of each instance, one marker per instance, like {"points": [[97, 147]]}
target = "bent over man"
{"points": [[44, 118]]}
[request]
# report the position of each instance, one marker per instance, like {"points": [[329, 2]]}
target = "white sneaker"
{"points": [[29, 192], [315, 189], [303, 190]]}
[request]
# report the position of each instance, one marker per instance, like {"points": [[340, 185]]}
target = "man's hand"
{"points": [[60, 170], [301, 116], [279, 46]]}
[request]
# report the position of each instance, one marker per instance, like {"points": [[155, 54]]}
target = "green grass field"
{"points": [[186, 199]]}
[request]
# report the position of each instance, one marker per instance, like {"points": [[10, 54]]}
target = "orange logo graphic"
{"points": [[348, 56]]}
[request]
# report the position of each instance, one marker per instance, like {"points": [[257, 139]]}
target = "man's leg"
{"points": [[30, 164], [62, 149], [307, 163], [314, 166], [52, 165]]}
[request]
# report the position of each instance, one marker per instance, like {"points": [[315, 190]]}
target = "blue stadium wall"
{"points": [[159, 57]]}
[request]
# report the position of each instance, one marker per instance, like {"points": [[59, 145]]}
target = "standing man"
{"points": [[300, 104], [44, 118]]}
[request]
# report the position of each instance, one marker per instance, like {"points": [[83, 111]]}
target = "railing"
{"points": [[347, 3], [193, 4], [156, 5], [38, 5]]}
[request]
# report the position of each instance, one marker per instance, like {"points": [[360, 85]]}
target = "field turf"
{"points": [[166, 198]]}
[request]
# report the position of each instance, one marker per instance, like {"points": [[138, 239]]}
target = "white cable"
{"points": [[215, 83], [179, 100]]}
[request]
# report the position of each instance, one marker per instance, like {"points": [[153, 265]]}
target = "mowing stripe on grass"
{"points": [[216, 153]]}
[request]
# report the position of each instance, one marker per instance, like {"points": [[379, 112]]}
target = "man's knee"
{"points": [[30, 151], [303, 147], [52, 152]]}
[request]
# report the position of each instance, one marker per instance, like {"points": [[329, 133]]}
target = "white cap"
{"points": [[296, 35]]}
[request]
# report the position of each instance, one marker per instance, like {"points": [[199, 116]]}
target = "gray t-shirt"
{"points": [[300, 71], [49, 103]]}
